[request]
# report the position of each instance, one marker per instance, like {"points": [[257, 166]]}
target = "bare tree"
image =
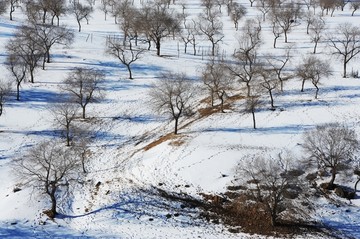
{"points": [[264, 6], [13, 4], [80, 11], [286, 16], [127, 15], [106, 6], [269, 81], [84, 86], [57, 8], [252, 103], [23, 51], [237, 12], [217, 81], [346, 43], [173, 96], [317, 28], [64, 114], [5, 90], [82, 149], [158, 22], [276, 30], [210, 25], [269, 182], [46, 36], [127, 54], [49, 168], [313, 69], [355, 5], [331, 146], [278, 64], [246, 68], [18, 69], [3, 6], [188, 36]]}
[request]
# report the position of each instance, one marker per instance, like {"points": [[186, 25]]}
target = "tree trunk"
{"points": [[254, 120], [53, 200], [158, 45], [68, 135], [344, 75], [317, 91], [333, 175], [302, 85], [79, 24], [248, 88], [315, 47], [129, 70], [285, 34], [271, 99], [18, 91], [176, 125], [83, 112]]}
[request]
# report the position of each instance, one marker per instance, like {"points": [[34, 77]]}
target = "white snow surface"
{"points": [[123, 206]]}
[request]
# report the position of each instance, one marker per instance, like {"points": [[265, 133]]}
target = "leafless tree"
{"points": [[188, 36], [346, 43], [82, 149], [246, 68], [313, 69], [128, 21], [3, 6], [252, 103], [355, 5], [50, 169], [80, 11], [24, 51], [84, 86], [106, 7], [270, 182], [237, 12], [278, 64], [158, 22], [5, 90], [64, 114], [217, 81], [12, 4], [173, 95], [276, 30], [286, 16], [57, 8], [18, 69], [268, 80], [210, 25], [317, 28], [46, 36], [331, 146], [264, 6], [127, 54]]}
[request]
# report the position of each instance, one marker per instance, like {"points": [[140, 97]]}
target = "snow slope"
{"points": [[201, 159]]}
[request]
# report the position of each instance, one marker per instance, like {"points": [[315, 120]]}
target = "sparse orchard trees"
{"points": [[127, 54], [173, 95], [269, 81], [84, 87], [331, 147], [313, 69], [345, 43], [50, 169], [273, 183], [57, 8]]}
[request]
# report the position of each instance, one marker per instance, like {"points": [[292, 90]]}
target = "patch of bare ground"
{"points": [[244, 217], [160, 141]]}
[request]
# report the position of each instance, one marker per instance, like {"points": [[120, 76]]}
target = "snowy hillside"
{"points": [[133, 155]]}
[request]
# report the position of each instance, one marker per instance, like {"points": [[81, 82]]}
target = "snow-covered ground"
{"points": [[124, 204]]}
